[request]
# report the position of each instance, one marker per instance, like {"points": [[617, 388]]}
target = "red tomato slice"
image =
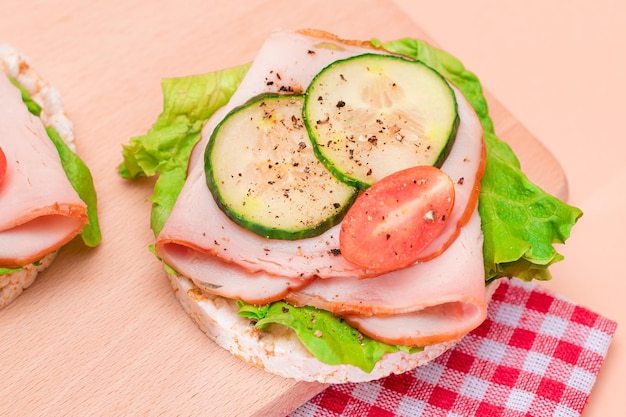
{"points": [[3, 165], [397, 218]]}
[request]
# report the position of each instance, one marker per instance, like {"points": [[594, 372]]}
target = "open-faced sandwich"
{"points": [[339, 210], [47, 196]]}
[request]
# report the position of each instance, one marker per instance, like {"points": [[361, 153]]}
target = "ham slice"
{"points": [[39, 209], [213, 276], [424, 304], [288, 61], [465, 165]]}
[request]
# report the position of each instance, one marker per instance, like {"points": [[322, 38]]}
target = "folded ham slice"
{"points": [[39, 209], [213, 276], [288, 61], [424, 304]]}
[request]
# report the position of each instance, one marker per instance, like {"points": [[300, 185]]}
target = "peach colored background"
{"points": [[555, 65], [558, 66]]}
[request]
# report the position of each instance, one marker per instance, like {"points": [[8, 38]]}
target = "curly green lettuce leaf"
{"points": [[80, 177], [328, 338], [76, 171], [520, 222], [166, 148]]}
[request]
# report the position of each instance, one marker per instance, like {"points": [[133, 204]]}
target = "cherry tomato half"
{"points": [[3, 165], [397, 218]]}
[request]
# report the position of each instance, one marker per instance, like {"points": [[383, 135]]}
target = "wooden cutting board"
{"points": [[100, 332]]}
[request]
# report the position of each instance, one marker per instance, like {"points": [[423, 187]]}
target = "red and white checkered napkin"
{"points": [[537, 354]]}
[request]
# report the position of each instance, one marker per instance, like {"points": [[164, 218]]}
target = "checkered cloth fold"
{"points": [[537, 354]]}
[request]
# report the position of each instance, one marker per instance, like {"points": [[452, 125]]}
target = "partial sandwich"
{"points": [[339, 210], [47, 196]]}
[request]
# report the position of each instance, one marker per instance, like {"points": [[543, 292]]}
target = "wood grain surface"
{"points": [[100, 332]]}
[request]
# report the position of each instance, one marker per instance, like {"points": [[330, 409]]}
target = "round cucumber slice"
{"points": [[262, 172], [371, 115]]}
